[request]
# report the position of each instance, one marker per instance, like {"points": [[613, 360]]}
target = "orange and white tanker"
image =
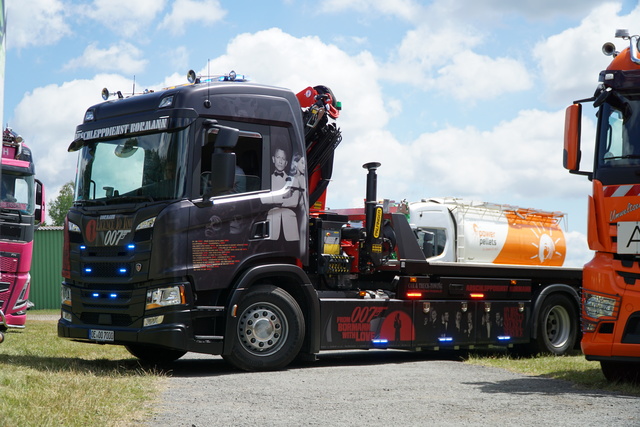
{"points": [[455, 230]]}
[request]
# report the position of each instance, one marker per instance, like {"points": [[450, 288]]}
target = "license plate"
{"points": [[100, 335], [629, 237]]}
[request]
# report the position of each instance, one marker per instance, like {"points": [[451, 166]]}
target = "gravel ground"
{"points": [[379, 388]]}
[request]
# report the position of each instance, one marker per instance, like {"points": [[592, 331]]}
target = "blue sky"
{"points": [[459, 98]]}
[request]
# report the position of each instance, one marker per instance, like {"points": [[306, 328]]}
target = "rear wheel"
{"points": [[621, 371], [153, 354], [557, 325], [556, 330], [269, 332]]}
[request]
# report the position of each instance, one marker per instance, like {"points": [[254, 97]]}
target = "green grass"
{"points": [[574, 368], [47, 381]]}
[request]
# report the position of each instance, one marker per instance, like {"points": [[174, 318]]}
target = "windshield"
{"points": [[619, 140], [17, 192], [148, 167]]}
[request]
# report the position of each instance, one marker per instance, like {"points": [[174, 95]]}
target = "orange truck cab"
{"points": [[611, 280]]}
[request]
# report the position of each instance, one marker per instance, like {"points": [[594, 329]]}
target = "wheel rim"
{"points": [[262, 329], [558, 326]]}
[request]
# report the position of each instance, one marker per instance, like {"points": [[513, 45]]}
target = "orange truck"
{"points": [[611, 285]]}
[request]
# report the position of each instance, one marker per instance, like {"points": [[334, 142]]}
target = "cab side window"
{"points": [[248, 168]]}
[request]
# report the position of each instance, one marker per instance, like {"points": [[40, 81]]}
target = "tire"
{"points": [[557, 328], [1, 337], [269, 332], [154, 355], [627, 372]]}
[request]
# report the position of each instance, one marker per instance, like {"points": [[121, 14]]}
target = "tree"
{"points": [[60, 206]]}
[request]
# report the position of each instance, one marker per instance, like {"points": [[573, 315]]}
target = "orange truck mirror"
{"points": [[571, 152]]}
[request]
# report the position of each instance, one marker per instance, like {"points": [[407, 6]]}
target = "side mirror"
{"points": [[40, 209], [226, 138], [572, 123], [223, 173]]}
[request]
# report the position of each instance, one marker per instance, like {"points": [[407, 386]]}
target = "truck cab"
{"points": [[21, 210], [610, 294]]}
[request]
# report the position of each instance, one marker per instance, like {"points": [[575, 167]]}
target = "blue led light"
{"points": [[95, 295], [380, 342], [123, 271], [113, 295], [88, 270], [504, 338], [131, 246], [445, 339], [83, 247]]}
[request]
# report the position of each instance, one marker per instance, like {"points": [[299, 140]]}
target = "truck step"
{"points": [[208, 338], [214, 308]]}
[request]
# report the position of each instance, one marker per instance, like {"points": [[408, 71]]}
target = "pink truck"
{"points": [[21, 211]]}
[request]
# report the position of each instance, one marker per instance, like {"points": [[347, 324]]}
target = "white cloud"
{"points": [[124, 17], [439, 56], [578, 252], [532, 9], [354, 82], [408, 10], [516, 160], [35, 23], [122, 57], [571, 61], [470, 77], [185, 12]]}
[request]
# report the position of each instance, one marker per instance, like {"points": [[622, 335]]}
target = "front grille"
{"points": [[106, 269], [99, 318], [9, 264], [105, 251]]}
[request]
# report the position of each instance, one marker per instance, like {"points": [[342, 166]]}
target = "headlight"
{"points": [[147, 223], [65, 295], [163, 297], [597, 306]]}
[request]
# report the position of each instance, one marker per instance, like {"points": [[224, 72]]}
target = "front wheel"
{"points": [[153, 354], [269, 332], [614, 371]]}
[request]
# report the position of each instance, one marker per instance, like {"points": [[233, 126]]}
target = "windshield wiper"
{"points": [[125, 198], [628, 156], [91, 202]]}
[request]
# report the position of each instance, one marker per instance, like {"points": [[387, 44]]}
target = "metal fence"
{"points": [[46, 268]]}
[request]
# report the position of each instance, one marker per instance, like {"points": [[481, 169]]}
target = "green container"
{"points": [[46, 268]]}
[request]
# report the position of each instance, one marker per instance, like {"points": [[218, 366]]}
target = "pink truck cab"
{"points": [[21, 211]]}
